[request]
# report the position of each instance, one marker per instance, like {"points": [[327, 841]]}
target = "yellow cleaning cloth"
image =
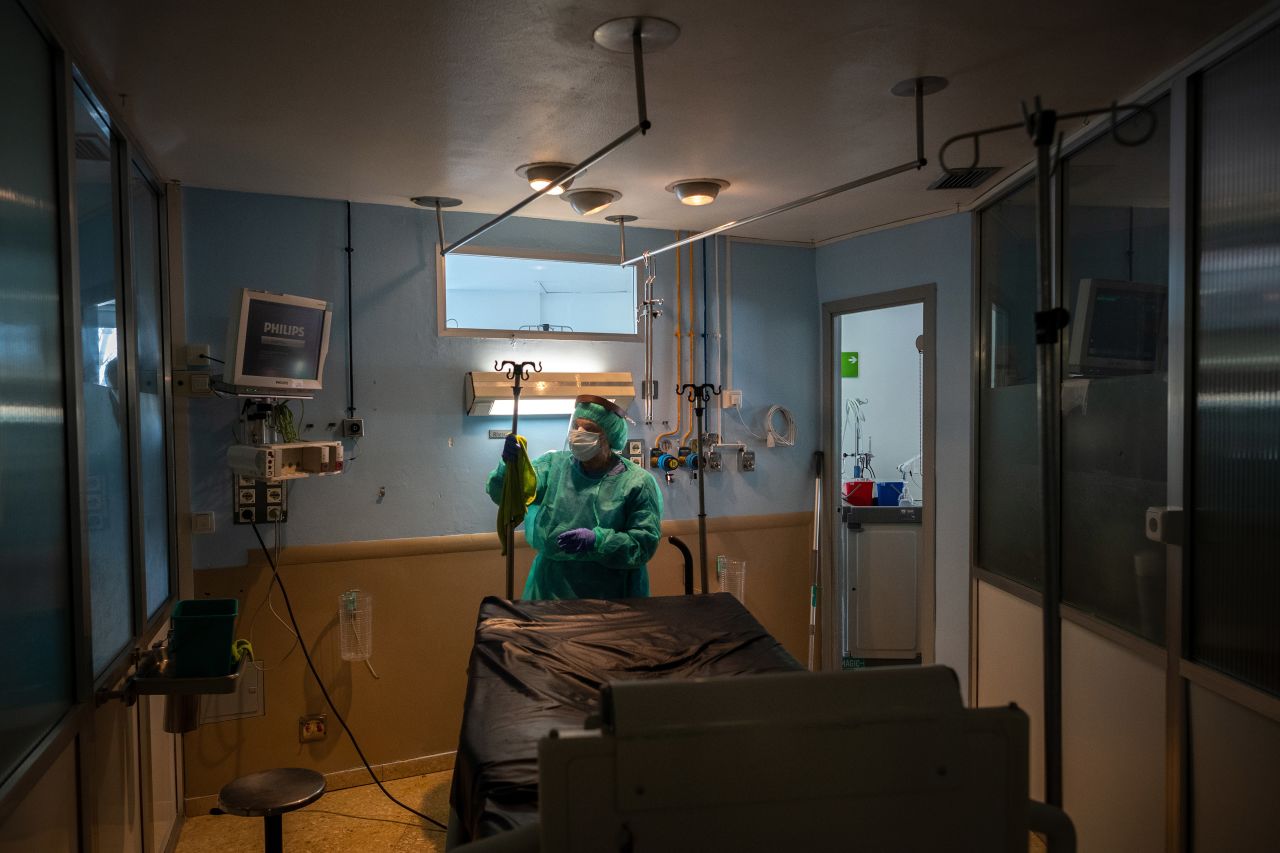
{"points": [[518, 492]]}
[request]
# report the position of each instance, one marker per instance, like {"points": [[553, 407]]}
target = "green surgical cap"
{"points": [[615, 428]]}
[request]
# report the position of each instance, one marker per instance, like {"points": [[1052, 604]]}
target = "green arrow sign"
{"points": [[849, 365]]}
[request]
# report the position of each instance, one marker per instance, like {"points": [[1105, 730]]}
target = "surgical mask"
{"points": [[584, 445]]}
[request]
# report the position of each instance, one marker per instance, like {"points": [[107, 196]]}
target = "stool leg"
{"points": [[273, 834]]}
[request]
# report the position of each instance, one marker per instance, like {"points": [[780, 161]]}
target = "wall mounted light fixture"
{"points": [[697, 191], [540, 174], [587, 201]]}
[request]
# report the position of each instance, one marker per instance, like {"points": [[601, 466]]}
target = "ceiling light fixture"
{"points": [[588, 201], [697, 191], [539, 175]]}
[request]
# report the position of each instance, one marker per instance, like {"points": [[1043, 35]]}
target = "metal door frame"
{"points": [[927, 296]]}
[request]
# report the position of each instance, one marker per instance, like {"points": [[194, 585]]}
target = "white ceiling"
{"points": [[380, 101]]}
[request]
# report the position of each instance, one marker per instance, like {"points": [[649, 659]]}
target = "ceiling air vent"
{"points": [[89, 146], [963, 179]]}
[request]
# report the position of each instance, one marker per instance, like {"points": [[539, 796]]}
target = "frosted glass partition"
{"points": [[587, 296], [105, 404], [36, 622], [144, 222], [1115, 394], [1235, 537], [1008, 461]]}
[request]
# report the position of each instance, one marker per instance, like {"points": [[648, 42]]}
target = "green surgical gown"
{"points": [[624, 509]]}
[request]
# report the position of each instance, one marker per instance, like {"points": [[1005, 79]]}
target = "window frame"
{"points": [[534, 255]]}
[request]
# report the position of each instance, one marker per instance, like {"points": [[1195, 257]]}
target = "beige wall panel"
{"points": [[1010, 665], [111, 744], [1235, 767], [1112, 743], [45, 820], [425, 602]]}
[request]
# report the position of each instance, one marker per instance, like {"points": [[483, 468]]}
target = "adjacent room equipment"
{"points": [[276, 344], [1117, 328]]}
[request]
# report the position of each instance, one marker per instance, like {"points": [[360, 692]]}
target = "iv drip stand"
{"points": [[518, 371], [1041, 126], [700, 395]]}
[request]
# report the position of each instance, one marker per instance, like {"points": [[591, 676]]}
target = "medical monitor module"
{"points": [[277, 343], [1118, 328]]}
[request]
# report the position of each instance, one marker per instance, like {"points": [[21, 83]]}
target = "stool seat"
{"points": [[269, 793]]}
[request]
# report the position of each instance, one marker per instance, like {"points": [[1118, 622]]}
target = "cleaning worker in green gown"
{"points": [[596, 517]]}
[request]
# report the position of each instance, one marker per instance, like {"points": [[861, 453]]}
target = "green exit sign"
{"points": [[849, 365]]}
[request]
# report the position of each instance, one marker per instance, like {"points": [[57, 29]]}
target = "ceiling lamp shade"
{"points": [[588, 201], [489, 394], [697, 191], [539, 175]]}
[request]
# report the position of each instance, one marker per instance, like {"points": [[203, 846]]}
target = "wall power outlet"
{"points": [[311, 728]]}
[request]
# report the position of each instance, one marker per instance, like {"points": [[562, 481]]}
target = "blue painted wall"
{"points": [[429, 456], [938, 251]]}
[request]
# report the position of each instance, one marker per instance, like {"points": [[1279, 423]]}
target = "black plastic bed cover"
{"points": [[539, 665]]}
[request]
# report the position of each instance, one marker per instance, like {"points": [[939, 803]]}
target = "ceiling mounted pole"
{"points": [[916, 87], [621, 35], [637, 53], [436, 202]]}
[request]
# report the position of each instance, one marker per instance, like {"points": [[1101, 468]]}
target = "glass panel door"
{"points": [[1115, 394], [36, 623], [1235, 523], [106, 447], [144, 222]]}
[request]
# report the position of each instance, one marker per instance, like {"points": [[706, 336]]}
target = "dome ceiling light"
{"points": [[541, 175], [697, 191], [593, 200]]}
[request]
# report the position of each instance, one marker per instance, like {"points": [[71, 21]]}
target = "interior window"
{"points": [[562, 297]]}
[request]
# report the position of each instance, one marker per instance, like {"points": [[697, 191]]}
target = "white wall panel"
{"points": [[1113, 711], [1010, 665]]}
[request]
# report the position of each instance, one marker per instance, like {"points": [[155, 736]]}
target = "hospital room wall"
{"points": [[937, 251], [428, 455]]}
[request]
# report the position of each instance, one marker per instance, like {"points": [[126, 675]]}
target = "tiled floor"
{"points": [[359, 819]]}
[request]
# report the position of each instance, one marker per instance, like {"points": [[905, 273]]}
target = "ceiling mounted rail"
{"points": [[916, 87], [621, 35]]}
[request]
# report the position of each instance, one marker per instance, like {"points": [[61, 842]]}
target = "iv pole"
{"points": [[518, 371], [1051, 318], [700, 395]]}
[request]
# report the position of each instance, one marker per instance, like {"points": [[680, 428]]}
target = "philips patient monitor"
{"points": [[277, 344]]}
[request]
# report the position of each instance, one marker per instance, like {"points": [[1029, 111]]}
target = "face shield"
{"points": [[605, 414]]}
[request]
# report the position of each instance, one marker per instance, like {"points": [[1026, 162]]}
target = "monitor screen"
{"points": [[1126, 324], [282, 341], [1118, 328], [276, 341]]}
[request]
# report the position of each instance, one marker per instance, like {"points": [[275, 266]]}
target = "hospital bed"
{"points": [[755, 756], [539, 666]]}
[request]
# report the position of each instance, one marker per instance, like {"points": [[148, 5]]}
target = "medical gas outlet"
{"points": [[286, 461]]}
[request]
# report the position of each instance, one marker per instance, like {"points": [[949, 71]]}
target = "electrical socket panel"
{"points": [[311, 728], [731, 399], [352, 427], [747, 460]]}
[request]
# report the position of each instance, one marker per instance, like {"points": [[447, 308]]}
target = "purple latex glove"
{"points": [[510, 449], [576, 541]]}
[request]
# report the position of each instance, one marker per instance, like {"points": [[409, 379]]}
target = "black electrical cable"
{"points": [[208, 357], [351, 359], [325, 692]]}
